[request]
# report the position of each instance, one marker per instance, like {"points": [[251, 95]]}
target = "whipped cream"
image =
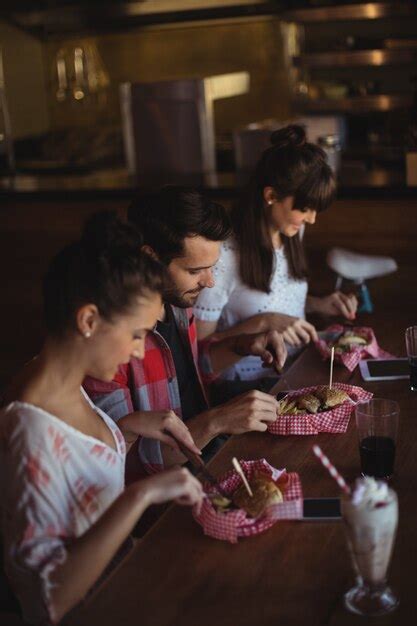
{"points": [[371, 516], [370, 493]]}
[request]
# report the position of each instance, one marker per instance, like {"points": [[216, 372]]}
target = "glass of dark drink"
{"points": [[377, 426], [411, 345]]}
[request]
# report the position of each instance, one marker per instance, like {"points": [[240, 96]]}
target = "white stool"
{"points": [[358, 268]]}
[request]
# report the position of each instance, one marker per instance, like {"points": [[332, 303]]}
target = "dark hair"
{"points": [[167, 216], [292, 167], [105, 267]]}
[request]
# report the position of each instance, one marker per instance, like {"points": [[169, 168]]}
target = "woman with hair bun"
{"points": [[261, 277], [65, 511]]}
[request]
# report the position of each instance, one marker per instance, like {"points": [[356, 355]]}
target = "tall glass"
{"points": [[377, 426], [370, 529], [411, 345]]}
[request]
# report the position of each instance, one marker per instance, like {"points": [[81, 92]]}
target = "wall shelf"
{"points": [[341, 51], [345, 12], [356, 58], [356, 104], [69, 17]]}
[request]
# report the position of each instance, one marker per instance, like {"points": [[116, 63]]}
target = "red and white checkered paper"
{"points": [[333, 421], [351, 359], [236, 523]]}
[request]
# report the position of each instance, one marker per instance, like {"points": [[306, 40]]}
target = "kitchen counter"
{"points": [[113, 183]]}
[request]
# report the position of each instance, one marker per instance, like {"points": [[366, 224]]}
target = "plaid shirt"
{"points": [[151, 384]]}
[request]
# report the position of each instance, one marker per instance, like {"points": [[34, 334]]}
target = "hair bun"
{"points": [[292, 135], [104, 232]]}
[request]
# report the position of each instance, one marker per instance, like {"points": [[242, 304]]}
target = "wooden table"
{"points": [[296, 572]]}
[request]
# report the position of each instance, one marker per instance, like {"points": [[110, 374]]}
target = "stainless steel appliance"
{"points": [[250, 141]]}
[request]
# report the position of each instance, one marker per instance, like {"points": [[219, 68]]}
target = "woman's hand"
{"points": [[269, 346], [176, 484], [295, 331], [157, 425], [338, 303]]}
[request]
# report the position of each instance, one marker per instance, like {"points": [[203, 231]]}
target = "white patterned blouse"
{"points": [[55, 482], [230, 302]]}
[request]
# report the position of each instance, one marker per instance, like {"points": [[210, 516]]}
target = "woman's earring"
{"points": [[87, 334], [270, 202]]}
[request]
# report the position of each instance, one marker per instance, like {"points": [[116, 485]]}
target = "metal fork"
{"points": [[198, 463]]}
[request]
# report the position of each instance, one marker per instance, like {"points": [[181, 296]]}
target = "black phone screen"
{"points": [[389, 367], [321, 508]]}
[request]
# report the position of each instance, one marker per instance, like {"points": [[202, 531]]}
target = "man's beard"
{"points": [[172, 296]]}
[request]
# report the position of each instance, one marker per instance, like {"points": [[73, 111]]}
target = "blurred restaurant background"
{"points": [[101, 99]]}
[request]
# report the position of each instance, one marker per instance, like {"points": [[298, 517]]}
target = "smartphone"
{"points": [[384, 369], [321, 509]]}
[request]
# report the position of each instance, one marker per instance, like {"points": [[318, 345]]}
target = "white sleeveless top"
{"points": [[55, 482], [230, 301]]}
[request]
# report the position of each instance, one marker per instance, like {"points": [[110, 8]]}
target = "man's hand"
{"points": [[269, 346], [299, 332], [338, 303], [157, 425], [252, 411]]}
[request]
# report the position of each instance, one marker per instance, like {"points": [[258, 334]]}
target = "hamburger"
{"points": [[309, 402], [322, 399], [265, 493], [331, 398], [349, 341]]}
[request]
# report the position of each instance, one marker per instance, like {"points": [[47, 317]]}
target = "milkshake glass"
{"points": [[370, 516]]}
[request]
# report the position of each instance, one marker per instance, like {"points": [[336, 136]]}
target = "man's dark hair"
{"points": [[166, 217]]}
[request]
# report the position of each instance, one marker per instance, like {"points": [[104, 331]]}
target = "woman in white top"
{"points": [[261, 276], [65, 512]]}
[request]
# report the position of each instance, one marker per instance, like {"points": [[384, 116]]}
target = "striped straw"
{"points": [[331, 469]]}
